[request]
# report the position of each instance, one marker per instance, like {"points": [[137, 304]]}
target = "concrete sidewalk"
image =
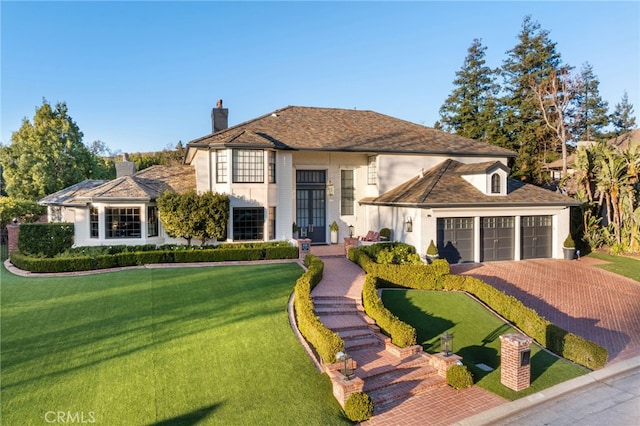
{"points": [[609, 396]]}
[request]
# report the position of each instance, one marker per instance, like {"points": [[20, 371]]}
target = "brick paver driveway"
{"points": [[575, 295]]}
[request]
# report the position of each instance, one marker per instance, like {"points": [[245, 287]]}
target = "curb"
{"points": [[504, 411]]}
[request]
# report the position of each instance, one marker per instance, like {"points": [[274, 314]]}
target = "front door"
{"points": [[311, 205]]}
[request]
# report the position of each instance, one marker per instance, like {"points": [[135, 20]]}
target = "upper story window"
{"points": [[272, 166], [221, 166], [248, 166], [372, 173], [347, 192], [495, 183]]}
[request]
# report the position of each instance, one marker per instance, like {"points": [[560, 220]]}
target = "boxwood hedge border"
{"points": [[436, 277]]}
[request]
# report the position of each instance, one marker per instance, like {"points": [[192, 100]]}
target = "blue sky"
{"points": [[140, 76]]}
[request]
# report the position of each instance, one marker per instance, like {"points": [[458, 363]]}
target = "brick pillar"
{"points": [[12, 237], [349, 242], [304, 247], [515, 361]]}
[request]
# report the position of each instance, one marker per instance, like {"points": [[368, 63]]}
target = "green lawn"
{"points": [[159, 346], [476, 334], [620, 265]]}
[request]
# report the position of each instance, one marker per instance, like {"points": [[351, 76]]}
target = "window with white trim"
{"points": [[123, 222], [495, 183]]}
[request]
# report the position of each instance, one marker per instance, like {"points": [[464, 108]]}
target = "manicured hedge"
{"points": [[45, 239], [422, 276], [89, 258], [557, 340], [326, 343], [401, 333]]}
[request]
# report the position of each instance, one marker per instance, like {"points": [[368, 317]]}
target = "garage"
{"points": [[496, 238], [455, 239], [535, 237]]}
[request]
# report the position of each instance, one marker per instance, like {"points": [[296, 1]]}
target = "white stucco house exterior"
{"points": [[313, 166]]}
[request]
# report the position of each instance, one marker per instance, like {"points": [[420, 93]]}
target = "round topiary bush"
{"points": [[359, 407], [459, 377]]}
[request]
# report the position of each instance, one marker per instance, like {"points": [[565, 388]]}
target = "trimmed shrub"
{"points": [[279, 252], [401, 333], [459, 377], [326, 343], [45, 264], [358, 407], [48, 239]]}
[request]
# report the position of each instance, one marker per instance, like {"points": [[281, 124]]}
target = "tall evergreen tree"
{"points": [[48, 155], [622, 118], [591, 111], [471, 110], [532, 60]]}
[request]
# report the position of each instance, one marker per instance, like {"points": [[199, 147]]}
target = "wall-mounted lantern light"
{"points": [[350, 231], [446, 344], [409, 224], [331, 189]]}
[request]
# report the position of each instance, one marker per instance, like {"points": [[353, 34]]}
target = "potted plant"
{"points": [[334, 232], [385, 234], [569, 248], [432, 252], [294, 230]]}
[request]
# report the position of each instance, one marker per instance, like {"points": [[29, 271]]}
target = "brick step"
{"points": [[355, 333], [341, 322], [367, 342], [333, 300], [383, 365], [335, 309], [397, 375], [403, 389]]}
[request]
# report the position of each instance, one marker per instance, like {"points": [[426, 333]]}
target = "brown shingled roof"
{"points": [[145, 185], [443, 186], [310, 128]]}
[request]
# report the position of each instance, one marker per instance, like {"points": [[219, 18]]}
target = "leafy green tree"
{"points": [[534, 58], [591, 111], [622, 118], [471, 110], [191, 215], [48, 155], [23, 210]]}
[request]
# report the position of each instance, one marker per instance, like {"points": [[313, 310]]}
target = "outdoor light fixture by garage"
{"points": [[347, 364], [409, 224], [331, 189], [350, 231], [446, 344]]}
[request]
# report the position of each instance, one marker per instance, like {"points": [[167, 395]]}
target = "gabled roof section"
{"points": [[443, 186], [145, 185], [481, 168], [334, 129], [63, 196]]}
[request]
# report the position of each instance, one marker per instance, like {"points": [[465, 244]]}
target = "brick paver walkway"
{"points": [[575, 295], [440, 405]]}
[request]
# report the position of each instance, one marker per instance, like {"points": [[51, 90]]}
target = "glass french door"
{"points": [[311, 209]]}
